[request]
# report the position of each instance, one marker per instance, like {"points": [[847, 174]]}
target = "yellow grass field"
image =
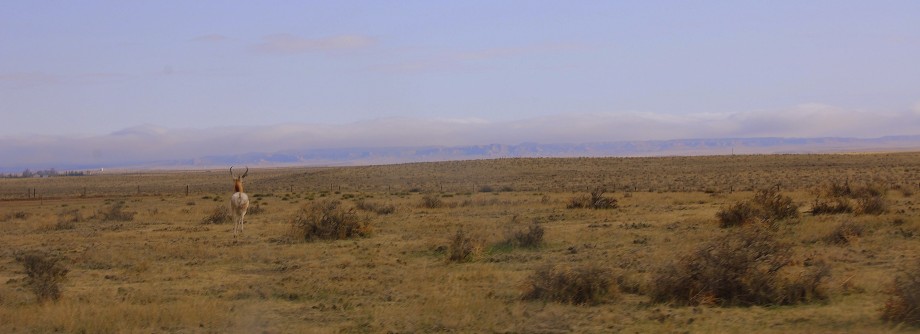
{"points": [[165, 270]]}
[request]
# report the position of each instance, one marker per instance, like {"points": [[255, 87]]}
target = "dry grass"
{"points": [[164, 271]]}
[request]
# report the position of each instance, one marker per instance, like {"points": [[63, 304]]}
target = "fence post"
{"points": [[186, 190]]}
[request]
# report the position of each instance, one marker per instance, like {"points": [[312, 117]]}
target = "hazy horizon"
{"points": [[97, 81]]}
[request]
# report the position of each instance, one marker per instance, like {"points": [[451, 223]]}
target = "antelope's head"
{"points": [[238, 180]]}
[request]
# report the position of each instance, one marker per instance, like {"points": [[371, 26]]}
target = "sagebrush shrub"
{"points": [[529, 237], [832, 206], [745, 267], [464, 247], [376, 207], [835, 198], [220, 215], [116, 213], [594, 200], [903, 304], [845, 233], [67, 219], [579, 285], [431, 201], [327, 219], [767, 205], [44, 274]]}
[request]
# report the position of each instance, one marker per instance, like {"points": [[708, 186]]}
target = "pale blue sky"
{"points": [[98, 67]]}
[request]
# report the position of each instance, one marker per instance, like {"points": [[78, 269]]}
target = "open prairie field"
{"points": [[772, 243]]}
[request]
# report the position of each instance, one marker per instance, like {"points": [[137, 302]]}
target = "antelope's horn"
{"points": [[231, 172], [246, 173]]}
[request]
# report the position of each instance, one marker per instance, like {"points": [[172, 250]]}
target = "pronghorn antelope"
{"points": [[239, 202]]}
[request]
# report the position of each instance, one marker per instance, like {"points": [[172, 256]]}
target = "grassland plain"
{"points": [[164, 270]]}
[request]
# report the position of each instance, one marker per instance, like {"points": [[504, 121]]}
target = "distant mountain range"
{"points": [[388, 155]]}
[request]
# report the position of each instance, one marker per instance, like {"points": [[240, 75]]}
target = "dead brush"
{"points": [[903, 304], [44, 274], [835, 198], [220, 215], [768, 205], [327, 220], [593, 200], [743, 268], [375, 207], [579, 285]]}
